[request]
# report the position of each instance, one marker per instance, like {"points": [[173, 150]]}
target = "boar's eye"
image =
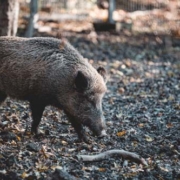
{"points": [[81, 82]]}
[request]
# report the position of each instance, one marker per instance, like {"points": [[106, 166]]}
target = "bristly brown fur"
{"points": [[43, 71]]}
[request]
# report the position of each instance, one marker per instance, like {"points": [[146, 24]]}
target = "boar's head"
{"points": [[85, 99]]}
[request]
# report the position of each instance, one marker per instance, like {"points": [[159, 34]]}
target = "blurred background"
{"points": [[130, 16], [135, 16]]}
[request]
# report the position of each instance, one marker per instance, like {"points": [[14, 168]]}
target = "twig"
{"points": [[122, 153]]}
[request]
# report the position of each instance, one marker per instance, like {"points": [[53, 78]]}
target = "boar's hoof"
{"points": [[36, 133]]}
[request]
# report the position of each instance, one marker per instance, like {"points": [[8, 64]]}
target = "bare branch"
{"points": [[115, 152]]}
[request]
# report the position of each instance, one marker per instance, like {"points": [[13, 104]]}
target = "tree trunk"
{"points": [[111, 10], [33, 18], [9, 10]]}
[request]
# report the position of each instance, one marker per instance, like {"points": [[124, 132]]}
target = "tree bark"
{"points": [[9, 10]]}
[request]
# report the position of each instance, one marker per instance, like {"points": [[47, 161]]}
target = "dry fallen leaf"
{"points": [[64, 142], [43, 168], [130, 175], [18, 138], [24, 175], [141, 125], [133, 166], [171, 98], [170, 73], [121, 90], [102, 169], [177, 106], [43, 150], [148, 138], [164, 169], [135, 143], [122, 133], [169, 125], [56, 167]]}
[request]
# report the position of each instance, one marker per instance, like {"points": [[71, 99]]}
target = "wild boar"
{"points": [[49, 71]]}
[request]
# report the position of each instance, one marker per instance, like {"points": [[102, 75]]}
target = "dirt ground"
{"points": [[141, 107]]}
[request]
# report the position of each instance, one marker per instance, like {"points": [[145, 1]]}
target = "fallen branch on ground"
{"points": [[115, 152]]}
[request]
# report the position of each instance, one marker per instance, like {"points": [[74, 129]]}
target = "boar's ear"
{"points": [[103, 73], [81, 82]]}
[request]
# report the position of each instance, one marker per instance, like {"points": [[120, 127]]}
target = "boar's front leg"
{"points": [[37, 109], [2, 97], [78, 128]]}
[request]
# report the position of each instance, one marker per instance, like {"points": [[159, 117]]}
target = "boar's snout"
{"points": [[99, 128], [103, 133]]}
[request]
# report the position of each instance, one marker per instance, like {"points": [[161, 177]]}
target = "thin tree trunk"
{"points": [[33, 18], [111, 10], [9, 10]]}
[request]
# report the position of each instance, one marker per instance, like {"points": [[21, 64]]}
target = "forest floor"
{"points": [[141, 107]]}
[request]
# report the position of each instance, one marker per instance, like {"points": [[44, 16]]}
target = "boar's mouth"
{"points": [[95, 128]]}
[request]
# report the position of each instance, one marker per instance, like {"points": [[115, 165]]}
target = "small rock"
{"points": [[32, 147], [7, 136], [61, 174]]}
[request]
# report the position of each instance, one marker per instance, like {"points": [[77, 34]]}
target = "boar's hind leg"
{"points": [[37, 111], [2, 97], [78, 128]]}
